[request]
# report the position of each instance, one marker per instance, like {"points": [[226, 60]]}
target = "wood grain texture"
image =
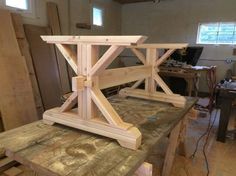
{"points": [[161, 45], [6, 163], [46, 67], [171, 150], [96, 39], [119, 76], [59, 150], [14, 171], [54, 24], [131, 1], [25, 51], [16, 97], [175, 99], [8, 42]]}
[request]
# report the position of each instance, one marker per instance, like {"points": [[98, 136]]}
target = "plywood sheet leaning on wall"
{"points": [[16, 96], [8, 42], [45, 64], [54, 24], [25, 51]]}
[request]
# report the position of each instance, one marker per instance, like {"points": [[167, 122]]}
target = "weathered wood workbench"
{"points": [[60, 150]]}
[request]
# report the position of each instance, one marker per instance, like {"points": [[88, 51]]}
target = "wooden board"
{"points": [[59, 150], [1, 126], [118, 76], [13, 171], [96, 40], [131, 1], [8, 42], [6, 163], [54, 24], [161, 45], [16, 97], [24, 48], [46, 67]]}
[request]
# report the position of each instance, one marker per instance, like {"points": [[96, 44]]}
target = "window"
{"points": [[19, 4], [217, 33], [97, 16]]}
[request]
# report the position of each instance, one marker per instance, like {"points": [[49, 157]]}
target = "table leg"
{"points": [[190, 89], [183, 130], [189, 86], [224, 119], [171, 150], [196, 84]]}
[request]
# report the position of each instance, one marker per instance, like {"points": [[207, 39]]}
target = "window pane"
{"points": [[225, 37], [20, 4], [208, 33], [234, 34], [226, 27], [226, 32], [217, 33], [97, 16], [234, 40]]}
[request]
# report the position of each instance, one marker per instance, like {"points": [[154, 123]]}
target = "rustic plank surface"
{"points": [[60, 150]]}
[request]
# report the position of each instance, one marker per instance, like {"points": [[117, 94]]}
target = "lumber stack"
{"points": [[17, 103], [34, 75], [25, 51]]}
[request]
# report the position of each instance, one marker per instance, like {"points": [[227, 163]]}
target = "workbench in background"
{"points": [[190, 74], [60, 150]]}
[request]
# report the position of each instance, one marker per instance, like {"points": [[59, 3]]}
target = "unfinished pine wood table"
{"points": [[60, 150]]}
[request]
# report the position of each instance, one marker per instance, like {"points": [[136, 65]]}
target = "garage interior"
{"points": [[117, 87]]}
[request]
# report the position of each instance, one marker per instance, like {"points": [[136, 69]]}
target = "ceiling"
{"points": [[132, 1]]}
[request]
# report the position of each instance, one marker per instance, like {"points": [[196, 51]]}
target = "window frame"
{"points": [[30, 12], [102, 16], [218, 31]]}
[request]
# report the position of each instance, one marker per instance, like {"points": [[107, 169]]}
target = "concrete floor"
{"points": [[221, 156]]}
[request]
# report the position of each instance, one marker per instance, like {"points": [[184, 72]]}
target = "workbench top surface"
{"points": [[64, 151]]}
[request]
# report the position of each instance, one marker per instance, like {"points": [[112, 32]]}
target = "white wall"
{"points": [[177, 21], [75, 11], [81, 12]]}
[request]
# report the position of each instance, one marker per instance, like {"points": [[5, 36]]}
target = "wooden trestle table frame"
{"points": [[93, 76]]}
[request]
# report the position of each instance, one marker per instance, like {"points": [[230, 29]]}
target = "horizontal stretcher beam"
{"points": [[176, 100], [161, 45], [118, 76], [96, 40]]}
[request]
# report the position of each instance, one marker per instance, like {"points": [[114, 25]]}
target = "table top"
{"points": [[60, 150]]}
